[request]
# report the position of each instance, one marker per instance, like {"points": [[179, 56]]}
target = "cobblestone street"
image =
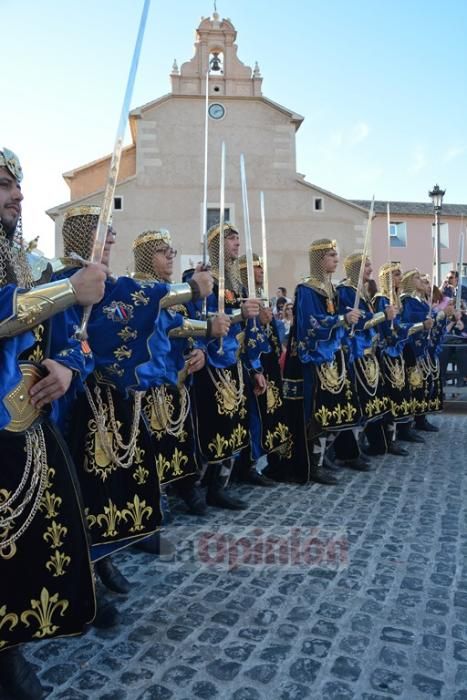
{"points": [[365, 596]]}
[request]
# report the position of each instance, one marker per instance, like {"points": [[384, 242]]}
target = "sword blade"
{"points": [[221, 286], [107, 204], [246, 225], [265, 248]]}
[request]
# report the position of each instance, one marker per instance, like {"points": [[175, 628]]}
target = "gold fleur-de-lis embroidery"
{"points": [[54, 533], [137, 511], [140, 298], [218, 446], [273, 397], [269, 441], [57, 563], [339, 414], [37, 354], [162, 464], [38, 332], [50, 503], [10, 619], [90, 518], [282, 431], [178, 461], [111, 517], [238, 434], [140, 475], [349, 412], [323, 414], [43, 611], [50, 477], [127, 334], [123, 352]]}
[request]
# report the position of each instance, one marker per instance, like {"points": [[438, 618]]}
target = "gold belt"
{"points": [[23, 414]]}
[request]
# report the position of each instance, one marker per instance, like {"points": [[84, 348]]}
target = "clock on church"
{"points": [[216, 110]]}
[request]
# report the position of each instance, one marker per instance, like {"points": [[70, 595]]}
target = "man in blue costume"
{"points": [[321, 400], [167, 405], [361, 345], [110, 442], [268, 426], [393, 336], [46, 585], [219, 388]]}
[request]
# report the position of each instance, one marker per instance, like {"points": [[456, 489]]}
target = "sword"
{"points": [[460, 262], [204, 218], [265, 248], [391, 282], [246, 224], [366, 246], [107, 204], [221, 281]]}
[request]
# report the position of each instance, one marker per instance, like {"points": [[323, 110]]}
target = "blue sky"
{"points": [[381, 84]]}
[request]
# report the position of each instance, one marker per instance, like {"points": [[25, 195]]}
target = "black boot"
{"points": [[156, 544], [422, 423], [322, 476], [407, 434], [107, 615], [257, 479], [194, 499], [395, 449], [111, 577], [217, 495], [17, 677], [358, 464]]}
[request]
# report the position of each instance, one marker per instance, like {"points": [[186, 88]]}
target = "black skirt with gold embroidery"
{"points": [[116, 466], [396, 385], [370, 387], [221, 416], [46, 585], [169, 417]]}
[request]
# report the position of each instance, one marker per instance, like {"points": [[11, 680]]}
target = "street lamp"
{"points": [[437, 195]]}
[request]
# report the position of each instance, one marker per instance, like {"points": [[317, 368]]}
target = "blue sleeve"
{"points": [[318, 333]]}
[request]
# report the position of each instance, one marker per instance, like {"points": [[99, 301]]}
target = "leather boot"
{"points": [[257, 479], [395, 449], [111, 577], [407, 434], [107, 615], [422, 423], [194, 498], [322, 476], [217, 495], [358, 464], [17, 677]]}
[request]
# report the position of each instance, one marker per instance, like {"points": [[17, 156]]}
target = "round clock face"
{"points": [[216, 111]]}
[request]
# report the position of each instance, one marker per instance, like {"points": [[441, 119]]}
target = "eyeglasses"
{"points": [[169, 253]]}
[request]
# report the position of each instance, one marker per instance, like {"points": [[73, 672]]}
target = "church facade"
{"points": [[161, 176]]}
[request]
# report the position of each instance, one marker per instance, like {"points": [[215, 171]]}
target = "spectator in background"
{"points": [[449, 287], [280, 303], [281, 293], [287, 319]]}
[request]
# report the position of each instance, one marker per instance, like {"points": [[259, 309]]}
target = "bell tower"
{"points": [[216, 51]]}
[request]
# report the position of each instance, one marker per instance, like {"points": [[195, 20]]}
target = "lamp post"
{"points": [[437, 195]]}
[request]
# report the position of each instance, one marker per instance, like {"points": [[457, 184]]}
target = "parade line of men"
{"points": [[168, 394]]}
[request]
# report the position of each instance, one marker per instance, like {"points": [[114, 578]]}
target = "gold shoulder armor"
{"points": [[377, 318], [190, 328], [177, 294], [416, 328], [37, 305]]}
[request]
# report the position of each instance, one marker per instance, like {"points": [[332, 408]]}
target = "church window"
{"points": [[214, 216], [318, 204]]}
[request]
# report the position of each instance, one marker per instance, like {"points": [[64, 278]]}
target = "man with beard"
{"points": [[46, 585]]}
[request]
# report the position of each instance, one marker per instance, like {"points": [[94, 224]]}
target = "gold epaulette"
{"points": [[190, 328], [177, 294], [37, 305]]}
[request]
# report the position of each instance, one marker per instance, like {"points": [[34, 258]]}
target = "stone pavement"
{"points": [[364, 596]]}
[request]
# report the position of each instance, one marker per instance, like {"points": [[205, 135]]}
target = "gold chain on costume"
{"points": [[127, 458], [368, 366], [428, 367], [164, 416], [329, 376], [395, 370], [36, 456], [227, 387]]}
